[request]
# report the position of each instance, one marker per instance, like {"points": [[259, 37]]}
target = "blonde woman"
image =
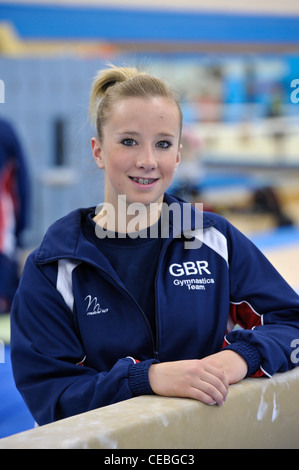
{"points": [[134, 297]]}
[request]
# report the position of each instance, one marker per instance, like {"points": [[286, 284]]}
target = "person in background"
{"points": [[14, 211]]}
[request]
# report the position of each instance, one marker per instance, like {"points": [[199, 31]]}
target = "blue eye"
{"points": [[163, 144], [128, 142]]}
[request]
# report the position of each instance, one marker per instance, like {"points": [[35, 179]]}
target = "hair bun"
{"points": [[107, 78]]}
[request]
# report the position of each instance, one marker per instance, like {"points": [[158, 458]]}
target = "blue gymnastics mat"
{"points": [[280, 237], [14, 415]]}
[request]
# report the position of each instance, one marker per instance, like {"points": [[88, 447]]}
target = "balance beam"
{"points": [[259, 413]]}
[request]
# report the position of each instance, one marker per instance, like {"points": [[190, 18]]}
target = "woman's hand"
{"points": [[206, 380], [234, 366]]}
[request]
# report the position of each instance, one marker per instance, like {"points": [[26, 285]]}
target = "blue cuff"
{"points": [[250, 354], [138, 378]]}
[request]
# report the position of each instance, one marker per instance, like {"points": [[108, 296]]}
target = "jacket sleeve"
{"points": [[264, 306], [20, 189], [46, 354]]}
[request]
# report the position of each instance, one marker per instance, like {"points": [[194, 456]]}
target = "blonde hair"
{"points": [[116, 83]]}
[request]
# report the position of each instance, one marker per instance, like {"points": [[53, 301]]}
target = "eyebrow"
{"points": [[134, 133]]}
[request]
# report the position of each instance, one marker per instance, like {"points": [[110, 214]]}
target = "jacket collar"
{"points": [[65, 239], [184, 217]]}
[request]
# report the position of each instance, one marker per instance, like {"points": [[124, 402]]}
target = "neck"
{"points": [[127, 218]]}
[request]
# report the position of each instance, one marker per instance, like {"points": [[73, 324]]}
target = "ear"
{"points": [[97, 152]]}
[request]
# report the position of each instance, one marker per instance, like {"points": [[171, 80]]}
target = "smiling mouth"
{"points": [[144, 181]]}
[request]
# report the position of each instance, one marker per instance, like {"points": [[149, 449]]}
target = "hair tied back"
{"points": [[106, 79]]}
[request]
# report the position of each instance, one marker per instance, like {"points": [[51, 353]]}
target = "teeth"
{"points": [[144, 180]]}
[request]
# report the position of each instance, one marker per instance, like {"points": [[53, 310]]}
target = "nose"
{"points": [[146, 159]]}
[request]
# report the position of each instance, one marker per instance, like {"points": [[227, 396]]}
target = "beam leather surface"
{"points": [[258, 413]]}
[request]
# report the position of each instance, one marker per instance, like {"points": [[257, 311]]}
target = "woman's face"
{"points": [[139, 150]]}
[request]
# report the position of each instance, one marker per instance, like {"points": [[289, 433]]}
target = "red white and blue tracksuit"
{"points": [[79, 340]]}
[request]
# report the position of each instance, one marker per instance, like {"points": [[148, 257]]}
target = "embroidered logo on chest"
{"points": [[93, 306], [197, 275]]}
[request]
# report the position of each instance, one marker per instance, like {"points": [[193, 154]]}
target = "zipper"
{"points": [[154, 340], [119, 287], [162, 252]]}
